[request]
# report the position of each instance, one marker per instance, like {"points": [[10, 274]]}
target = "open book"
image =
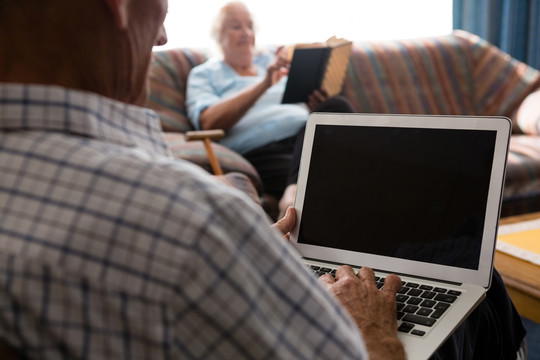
{"points": [[316, 66]]}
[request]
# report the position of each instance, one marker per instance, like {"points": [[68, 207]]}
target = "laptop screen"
{"points": [[413, 193]]}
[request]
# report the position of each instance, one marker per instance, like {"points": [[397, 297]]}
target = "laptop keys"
{"points": [[420, 320], [424, 311], [405, 327], [428, 294], [416, 304], [415, 292], [428, 303], [400, 298], [440, 308], [446, 298]]}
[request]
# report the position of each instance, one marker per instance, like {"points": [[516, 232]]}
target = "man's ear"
{"points": [[119, 10]]}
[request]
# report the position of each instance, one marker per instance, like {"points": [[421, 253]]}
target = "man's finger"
{"points": [[392, 283], [286, 223], [327, 280], [367, 273], [343, 271]]}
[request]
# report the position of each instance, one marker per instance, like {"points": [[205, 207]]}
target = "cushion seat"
{"points": [[194, 151]]}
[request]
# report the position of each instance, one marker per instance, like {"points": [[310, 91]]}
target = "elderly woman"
{"points": [[241, 94]]}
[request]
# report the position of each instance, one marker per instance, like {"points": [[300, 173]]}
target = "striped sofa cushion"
{"points": [[458, 74], [420, 76], [168, 78]]}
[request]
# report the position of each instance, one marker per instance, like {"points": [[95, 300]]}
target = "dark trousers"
{"points": [[494, 330], [277, 163]]}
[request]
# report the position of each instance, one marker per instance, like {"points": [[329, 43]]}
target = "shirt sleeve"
{"points": [[200, 93], [210, 82], [253, 298]]}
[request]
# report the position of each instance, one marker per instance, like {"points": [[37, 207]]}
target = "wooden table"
{"points": [[522, 278]]}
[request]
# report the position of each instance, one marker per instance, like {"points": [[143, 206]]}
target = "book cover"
{"points": [[317, 66]]}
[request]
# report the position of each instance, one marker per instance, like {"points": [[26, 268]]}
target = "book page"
{"points": [[521, 240], [336, 69]]}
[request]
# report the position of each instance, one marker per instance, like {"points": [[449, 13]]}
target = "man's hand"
{"points": [[373, 310], [286, 223]]}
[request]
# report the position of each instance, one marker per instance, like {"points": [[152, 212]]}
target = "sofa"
{"points": [[455, 74]]}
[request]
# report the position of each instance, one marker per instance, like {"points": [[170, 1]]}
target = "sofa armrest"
{"points": [[501, 82], [167, 86]]}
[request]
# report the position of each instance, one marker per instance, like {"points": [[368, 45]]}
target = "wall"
{"points": [[288, 21]]}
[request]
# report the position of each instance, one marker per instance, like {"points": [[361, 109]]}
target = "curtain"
{"points": [[511, 25]]}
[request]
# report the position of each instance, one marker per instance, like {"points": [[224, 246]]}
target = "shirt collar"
{"points": [[53, 108]]}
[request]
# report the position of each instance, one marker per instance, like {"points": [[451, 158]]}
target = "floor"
{"points": [[533, 339]]}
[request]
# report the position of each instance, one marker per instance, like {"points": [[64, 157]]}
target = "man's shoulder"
{"points": [[111, 195], [165, 172]]}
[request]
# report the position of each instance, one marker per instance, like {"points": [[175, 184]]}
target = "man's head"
{"points": [[103, 46]]}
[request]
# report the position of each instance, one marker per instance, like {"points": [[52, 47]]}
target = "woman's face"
{"points": [[237, 31]]}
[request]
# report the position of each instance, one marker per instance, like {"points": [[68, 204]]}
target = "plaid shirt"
{"points": [[112, 249]]}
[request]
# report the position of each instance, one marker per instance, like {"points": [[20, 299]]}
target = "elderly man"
{"points": [[111, 249]]}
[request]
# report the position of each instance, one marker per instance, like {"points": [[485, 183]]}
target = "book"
{"points": [[315, 66]]}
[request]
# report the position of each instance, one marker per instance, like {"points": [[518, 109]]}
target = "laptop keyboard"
{"points": [[419, 306]]}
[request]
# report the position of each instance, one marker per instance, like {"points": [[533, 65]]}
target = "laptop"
{"points": [[418, 196]]}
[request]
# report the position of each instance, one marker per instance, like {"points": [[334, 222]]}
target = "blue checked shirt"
{"points": [[112, 249]]}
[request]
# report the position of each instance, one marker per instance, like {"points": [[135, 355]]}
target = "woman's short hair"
{"points": [[217, 24]]}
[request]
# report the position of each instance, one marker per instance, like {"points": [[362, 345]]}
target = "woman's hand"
{"points": [[279, 67], [316, 98]]}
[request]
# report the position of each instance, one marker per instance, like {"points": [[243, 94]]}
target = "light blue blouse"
{"points": [[266, 122]]}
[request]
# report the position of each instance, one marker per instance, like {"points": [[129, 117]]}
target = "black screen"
{"points": [[418, 194]]}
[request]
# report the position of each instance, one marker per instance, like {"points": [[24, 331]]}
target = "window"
{"points": [[289, 21]]}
